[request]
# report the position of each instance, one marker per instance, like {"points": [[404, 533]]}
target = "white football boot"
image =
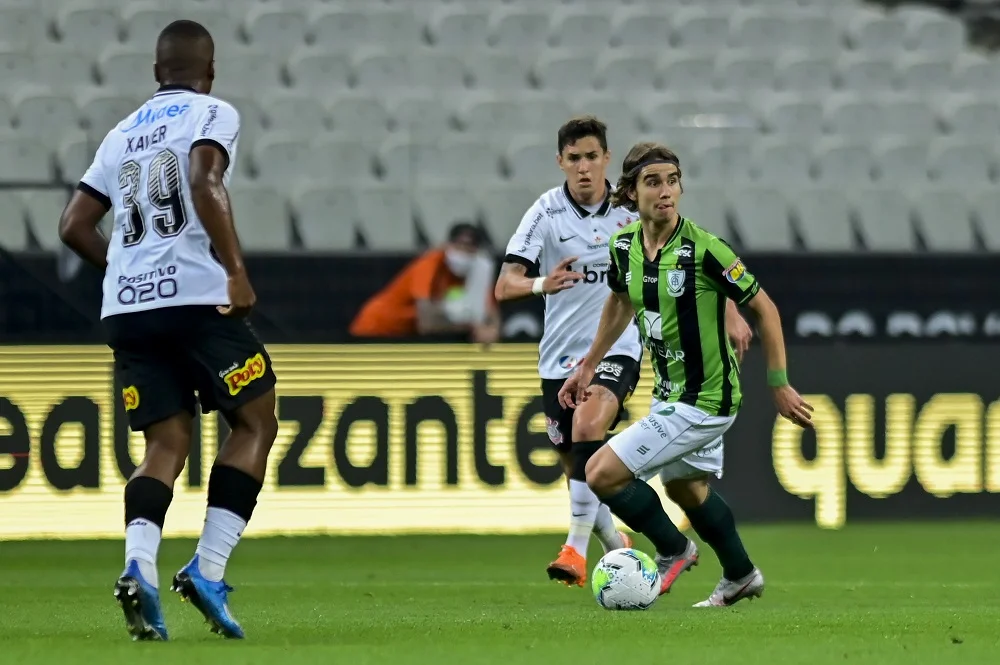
{"points": [[731, 592]]}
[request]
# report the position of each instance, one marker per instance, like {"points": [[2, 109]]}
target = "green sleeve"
{"points": [[727, 274]]}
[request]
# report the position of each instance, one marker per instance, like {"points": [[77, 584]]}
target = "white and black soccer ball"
{"points": [[626, 579]]}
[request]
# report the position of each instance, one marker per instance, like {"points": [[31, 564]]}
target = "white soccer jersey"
{"points": [[554, 228], [159, 254]]}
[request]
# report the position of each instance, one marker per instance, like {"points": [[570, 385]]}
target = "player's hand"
{"points": [[241, 296], [792, 407], [739, 331], [576, 389], [561, 278]]}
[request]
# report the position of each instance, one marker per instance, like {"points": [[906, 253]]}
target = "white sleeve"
{"points": [[94, 182], [525, 245], [218, 125]]}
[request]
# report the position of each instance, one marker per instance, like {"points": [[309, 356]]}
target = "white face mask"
{"points": [[458, 262]]}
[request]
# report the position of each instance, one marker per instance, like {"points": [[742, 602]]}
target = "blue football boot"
{"points": [[211, 599], [140, 601]]}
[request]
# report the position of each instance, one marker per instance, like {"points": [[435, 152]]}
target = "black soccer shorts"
{"points": [[164, 356], [619, 374]]}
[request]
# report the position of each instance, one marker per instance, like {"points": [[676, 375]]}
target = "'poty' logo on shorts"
{"points": [[130, 396], [241, 377]]}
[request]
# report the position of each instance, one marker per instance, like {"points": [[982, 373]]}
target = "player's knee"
{"points": [[258, 419], [592, 419], [603, 473], [687, 493]]}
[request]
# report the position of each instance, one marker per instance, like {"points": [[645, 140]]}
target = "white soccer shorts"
{"points": [[675, 440]]}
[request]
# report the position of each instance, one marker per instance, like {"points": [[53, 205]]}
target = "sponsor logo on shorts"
{"points": [[552, 429], [239, 378], [130, 396], [735, 272], [611, 368]]}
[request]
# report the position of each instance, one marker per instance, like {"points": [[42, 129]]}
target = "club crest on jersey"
{"points": [[735, 272], [240, 377], [675, 282], [130, 396], [552, 429]]}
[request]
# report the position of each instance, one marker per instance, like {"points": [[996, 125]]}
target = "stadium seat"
{"points": [[318, 69], [459, 28], [884, 219], [517, 28], [841, 161], [574, 25], [856, 115], [261, 217], [74, 156], [923, 73], [971, 116], [101, 109], [690, 72], [639, 27], [296, 112], [627, 72], [745, 72], [88, 27], [564, 70], [530, 162], [875, 32], [245, 71], [46, 114], [357, 26], [276, 29], [622, 119], [986, 206], [900, 159], [805, 72], [780, 162], [909, 114], [865, 73], [438, 207], [823, 219], [505, 114], [422, 115], [943, 219], [22, 25], [363, 115], [696, 28], [706, 207], [761, 216], [931, 31], [961, 161], [281, 159], [127, 69], [496, 72], [722, 161], [974, 71], [63, 68], [386, 215], [15, 68], [24, 160], [13, 227], [44, 207], [327, 217], [793, 115], [501, 207], [757, 30]]}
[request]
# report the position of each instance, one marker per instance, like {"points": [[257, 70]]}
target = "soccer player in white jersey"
{"points": [[176, 295], [566, 234]]}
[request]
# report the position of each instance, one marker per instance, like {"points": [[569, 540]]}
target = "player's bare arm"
{"points": [[514, 284], [739, 331], [790, 404], [615, 317], [78, 229], [211, 201]]}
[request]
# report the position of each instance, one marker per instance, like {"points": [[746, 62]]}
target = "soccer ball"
{"points": [[626, 579]]}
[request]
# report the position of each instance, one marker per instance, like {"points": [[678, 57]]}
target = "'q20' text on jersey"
{"points": [[680, 302], [159, 254], [554, 228]]}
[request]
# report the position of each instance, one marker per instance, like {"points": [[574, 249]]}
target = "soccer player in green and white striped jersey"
{"points": [[674, 277]]}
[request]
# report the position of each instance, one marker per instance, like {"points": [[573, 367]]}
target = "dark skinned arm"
{"points": [[78, 228]]}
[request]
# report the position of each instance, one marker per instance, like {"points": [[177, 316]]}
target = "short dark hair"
{"points": [[581, 127], [184, 47], [466, 229], [636, 157]]}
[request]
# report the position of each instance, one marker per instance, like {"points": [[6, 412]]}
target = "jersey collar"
{"points": [[582, 212], [173, 89]]}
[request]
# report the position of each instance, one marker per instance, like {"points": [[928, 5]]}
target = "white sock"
{"points": [[142, 542], [606, 530], [583, 511], [221, 533]]}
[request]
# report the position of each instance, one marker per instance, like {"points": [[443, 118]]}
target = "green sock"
{"points": [[639, 507], [714, 523]]}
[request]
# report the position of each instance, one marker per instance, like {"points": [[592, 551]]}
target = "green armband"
{"points": [[776, 378]]}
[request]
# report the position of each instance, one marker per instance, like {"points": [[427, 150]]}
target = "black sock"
{"points": [[147, 498], [714, 523], [639, 507], [582, 452], [233, 490]]}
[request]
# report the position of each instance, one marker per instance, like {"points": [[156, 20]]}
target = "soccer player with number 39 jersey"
{"points": [[175, 297], [566, 233], [674, 278]]}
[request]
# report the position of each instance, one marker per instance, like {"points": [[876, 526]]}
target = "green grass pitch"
{"points": [[885, 593]]}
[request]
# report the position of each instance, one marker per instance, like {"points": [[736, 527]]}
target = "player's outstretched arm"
{"points": [[615, 318], [208, 165], [78, 228], [790, 404], [514, 284]]}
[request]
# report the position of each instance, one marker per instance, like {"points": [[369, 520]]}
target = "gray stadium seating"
{"points": [[796, 120]]}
